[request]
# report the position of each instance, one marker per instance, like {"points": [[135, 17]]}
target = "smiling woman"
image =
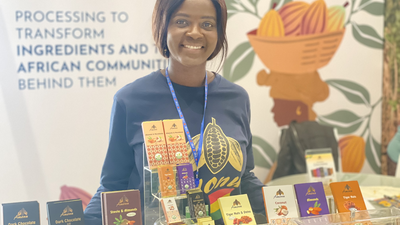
{"points": [[213, 110]]}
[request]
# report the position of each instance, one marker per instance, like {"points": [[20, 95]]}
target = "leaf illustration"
{"points": [[279, 3], [354, 92], [316, 204], [343, 116], [259, 158], [374, 8], [230, 6], [254, 2], [367, 36], [342, 129], [239, 62], [370, 149]]}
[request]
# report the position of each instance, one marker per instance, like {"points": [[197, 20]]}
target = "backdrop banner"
{"points": [[62, 62]]}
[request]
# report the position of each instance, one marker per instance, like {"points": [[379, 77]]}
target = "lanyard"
{"points": [[196, 154]]}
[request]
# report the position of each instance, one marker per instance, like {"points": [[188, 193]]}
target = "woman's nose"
{"points": [[195, 32]]}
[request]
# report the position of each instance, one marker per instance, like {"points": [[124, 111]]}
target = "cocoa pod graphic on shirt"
{"points": [[217, 149]]}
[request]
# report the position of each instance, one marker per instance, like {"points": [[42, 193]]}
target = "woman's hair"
{"points": [[162, 13]]}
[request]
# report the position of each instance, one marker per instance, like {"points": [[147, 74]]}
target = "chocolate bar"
{"points": [[196, 203], [166, 176], [185, 177]]}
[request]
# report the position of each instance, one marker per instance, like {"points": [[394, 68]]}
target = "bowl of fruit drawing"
{"points": [[299, 37]]}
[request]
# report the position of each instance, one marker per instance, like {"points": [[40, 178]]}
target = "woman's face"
{"points": [[192, 33]]}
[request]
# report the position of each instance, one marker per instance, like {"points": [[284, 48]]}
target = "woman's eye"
{"points": [[181, 22], [207, 24]]}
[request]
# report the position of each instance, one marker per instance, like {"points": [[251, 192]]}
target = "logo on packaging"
{"points": [[174, 127], [236, 204], [311, 191], [279, 194], [158, 157], [153, 128], [170, 205], [67, 211], [22, 214], [123, 201], [347, 189], [178, 155]]}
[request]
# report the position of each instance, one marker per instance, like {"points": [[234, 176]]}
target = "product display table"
{"points": [[362, 178], [372, 186]]}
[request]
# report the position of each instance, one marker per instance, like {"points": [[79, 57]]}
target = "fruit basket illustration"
{"points": [[296, 54]]}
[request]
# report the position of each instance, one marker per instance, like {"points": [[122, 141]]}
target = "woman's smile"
{"points": [[193, 47]]}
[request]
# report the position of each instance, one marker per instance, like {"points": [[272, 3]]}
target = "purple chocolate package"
{"points": [[311, 199], [185, 177]]}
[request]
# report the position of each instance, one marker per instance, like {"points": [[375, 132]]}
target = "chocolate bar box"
{"points": [[196, 203], [121, 207], [185, 177], [21, 213], [166, 175]]}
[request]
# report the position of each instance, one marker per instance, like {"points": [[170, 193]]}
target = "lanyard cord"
{"points": [[196, 154]]}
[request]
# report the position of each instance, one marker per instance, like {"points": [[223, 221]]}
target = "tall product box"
{"points": [[171, 211], [196, 203], [154, 141], [68, 212], [166, 175], [236, 210], [26, 213], [280, 203], [176, 141], [347, 195], [122, 207], [311, 199], [185, 177]]}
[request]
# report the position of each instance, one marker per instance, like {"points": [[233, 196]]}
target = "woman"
{"points": [[188, 33]]}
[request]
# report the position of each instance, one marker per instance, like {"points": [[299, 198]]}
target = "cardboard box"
{"points": [[236, 210], [185, 177], [122, 206], [154, 141], [176, 141], [170, 209], [280, 203], [166, 177]]}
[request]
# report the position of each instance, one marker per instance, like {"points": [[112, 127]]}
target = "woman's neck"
{"points": [[193, 76]]}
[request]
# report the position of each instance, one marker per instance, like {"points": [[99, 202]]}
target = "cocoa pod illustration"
{"points": [[292, 15], [315, 18], [235, 155], [216, 147], [271, 24], [352, 149], [336, 17], [217, 150]]}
